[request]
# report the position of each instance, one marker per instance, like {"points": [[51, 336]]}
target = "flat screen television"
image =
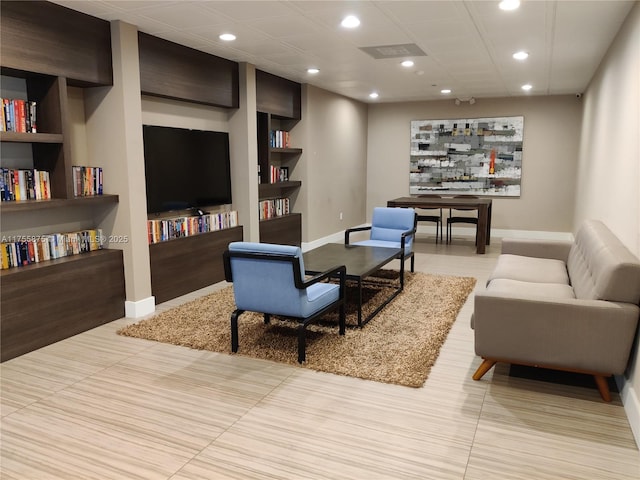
{"points": [[185, 169]]}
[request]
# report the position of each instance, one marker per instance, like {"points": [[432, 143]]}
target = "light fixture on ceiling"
{"points": [[312, 70], [227, 37], [521, 55], [350, 21], [527, 87], [509, 4], [445, 90], [374, 95], [407, 63], [471, 101]]}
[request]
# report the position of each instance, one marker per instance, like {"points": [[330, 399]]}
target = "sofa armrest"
{"points": [[587, 335], [555, 249]]}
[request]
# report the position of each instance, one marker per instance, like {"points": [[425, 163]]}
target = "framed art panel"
{"points": [[476, 156]]}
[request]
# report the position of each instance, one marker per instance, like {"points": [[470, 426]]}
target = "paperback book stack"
{"points": [[19, 251], [87, 181], [278, 174], [279, 139], [17, 185], [273, 208], [162, 230], [18, 116]]}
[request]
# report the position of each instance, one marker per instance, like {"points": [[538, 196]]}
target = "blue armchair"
{"points": [[391, 228], [270, 279]]}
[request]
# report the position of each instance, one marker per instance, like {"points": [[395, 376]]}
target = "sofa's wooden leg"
{"points": [[603, 387], [484, 367]]}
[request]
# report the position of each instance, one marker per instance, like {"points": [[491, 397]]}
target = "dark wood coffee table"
{"points": [[361, 262]]}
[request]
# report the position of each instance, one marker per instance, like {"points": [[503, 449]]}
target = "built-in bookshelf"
{"points": [[24, 250], [44, 49], [277, 162], [165, 229], [275, 207]]}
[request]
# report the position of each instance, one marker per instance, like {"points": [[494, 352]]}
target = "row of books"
{"points": [[279, 139], [87, 181], [278, 174], [17, 184], [162, 230], [273, 208], [18, 116], [18, 251]]}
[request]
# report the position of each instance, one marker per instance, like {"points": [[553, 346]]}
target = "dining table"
{"points": [[482, 205]]}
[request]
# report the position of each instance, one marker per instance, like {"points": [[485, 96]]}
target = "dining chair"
{"points": [[458, 218], [437, 219]]}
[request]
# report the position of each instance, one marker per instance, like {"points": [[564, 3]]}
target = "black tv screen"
{"points": [[185, 168]]}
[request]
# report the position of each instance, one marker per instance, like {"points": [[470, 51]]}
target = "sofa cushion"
{"points": [[530, 269], [601, 267], [530, 289]]}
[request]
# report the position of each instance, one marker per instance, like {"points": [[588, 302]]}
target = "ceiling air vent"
{"points": [[394, 51]]}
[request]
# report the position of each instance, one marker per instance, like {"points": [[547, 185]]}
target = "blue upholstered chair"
{"points": [[391, 228], [270, 279]]}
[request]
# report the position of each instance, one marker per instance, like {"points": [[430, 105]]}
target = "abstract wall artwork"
{"points": [[475, 156]]}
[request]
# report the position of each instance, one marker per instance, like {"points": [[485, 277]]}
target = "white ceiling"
{"points": [[469, 44]]}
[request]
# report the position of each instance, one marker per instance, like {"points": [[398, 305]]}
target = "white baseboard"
{"points": [[140, 308], [631, 405]]}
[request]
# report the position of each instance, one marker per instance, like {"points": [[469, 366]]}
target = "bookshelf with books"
{"points": [[279, 111], [41, 57]]}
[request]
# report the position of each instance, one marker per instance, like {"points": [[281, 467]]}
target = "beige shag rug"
{"points": [[399, 345]]}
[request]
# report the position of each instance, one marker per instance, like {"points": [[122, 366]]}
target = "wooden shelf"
{"points": [[18, 137], [30, 205], [288, 150], [270, 190]]}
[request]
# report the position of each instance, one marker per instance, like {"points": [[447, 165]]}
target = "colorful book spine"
{"points": [[161, 230]]}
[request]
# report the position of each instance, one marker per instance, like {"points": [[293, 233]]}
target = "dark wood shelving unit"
{"points": [[30, 205], [279, 104], [18, 137], [175, 71], [50, 47], [272, 190], [284, 230], [182, 265], [46, 302]]}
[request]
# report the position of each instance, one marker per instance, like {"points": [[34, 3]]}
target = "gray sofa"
{"points": [[562, 305]]}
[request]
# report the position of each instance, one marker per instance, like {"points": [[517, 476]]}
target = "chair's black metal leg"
{"points": [[301, 343], [234, 329], [342, 319], [412, 261], [267, 318], [360, 301]]}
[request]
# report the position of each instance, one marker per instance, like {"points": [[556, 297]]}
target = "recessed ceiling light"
{"points": [[312, 70], [350, 22], [373, 95], [509, 4], [521, 55], [445, 90], [227, 37], [526, 87], [407, 63]]}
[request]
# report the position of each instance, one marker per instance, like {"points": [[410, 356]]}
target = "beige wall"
{"points": [[550, 151], [334, 130], [608, 171]]}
